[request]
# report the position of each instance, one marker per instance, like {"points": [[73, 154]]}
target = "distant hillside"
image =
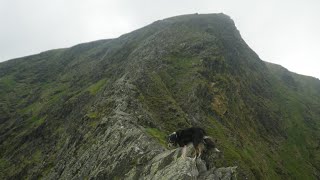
{"points": [[102, 109]]}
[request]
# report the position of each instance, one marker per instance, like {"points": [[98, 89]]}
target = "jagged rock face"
{"points": [[170, 165], [102, 110]]}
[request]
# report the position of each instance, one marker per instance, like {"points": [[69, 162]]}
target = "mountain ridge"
{"points": [[64, 107]]}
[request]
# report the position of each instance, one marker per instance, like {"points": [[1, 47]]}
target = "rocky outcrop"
{"points": [[170, 165]]}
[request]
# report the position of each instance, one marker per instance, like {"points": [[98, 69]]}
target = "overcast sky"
{"points": [[286, 32]]}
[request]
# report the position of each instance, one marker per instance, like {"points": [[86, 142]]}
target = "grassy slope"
{"points": [[300, 106], [39, 94]]}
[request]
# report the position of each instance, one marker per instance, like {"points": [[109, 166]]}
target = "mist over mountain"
{"points": [[102, 110]]}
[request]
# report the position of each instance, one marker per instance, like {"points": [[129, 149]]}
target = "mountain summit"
{"points": [[102, 110]]}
